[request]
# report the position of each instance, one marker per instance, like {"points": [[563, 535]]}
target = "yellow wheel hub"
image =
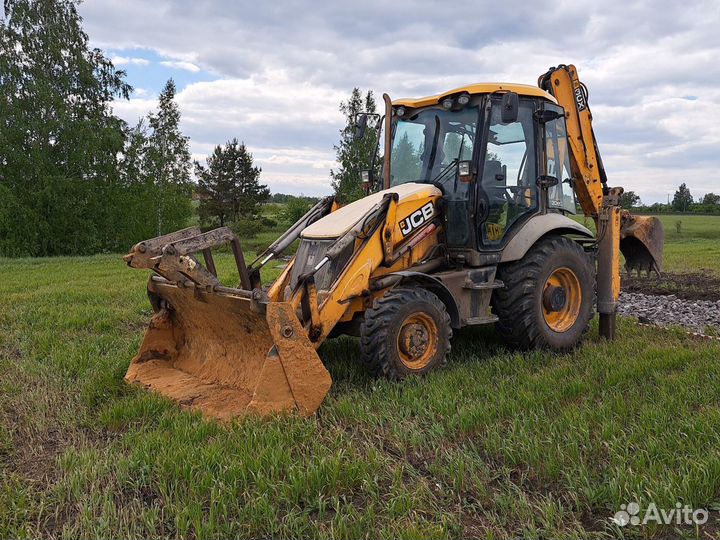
{"points": [[417, 340], [561, 299]]}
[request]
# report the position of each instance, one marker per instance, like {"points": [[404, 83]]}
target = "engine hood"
{"points": [[339, 222]]}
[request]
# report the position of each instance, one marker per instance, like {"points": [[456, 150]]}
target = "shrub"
{"points": [[246, 228]]}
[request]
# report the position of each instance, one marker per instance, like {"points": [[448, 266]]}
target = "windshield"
{"points": [[425, 145]]}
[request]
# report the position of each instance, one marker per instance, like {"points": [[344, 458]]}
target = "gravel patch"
{"points": [[669, 310]]}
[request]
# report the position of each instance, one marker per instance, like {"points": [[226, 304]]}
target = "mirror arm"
{"points": [[547, 116], [376, 148], [388, 141]]}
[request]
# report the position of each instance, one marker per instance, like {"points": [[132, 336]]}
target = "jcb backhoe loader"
{"points": [[467, 224]]}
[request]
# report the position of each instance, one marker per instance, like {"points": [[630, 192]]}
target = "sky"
{"points": [[272, 73]]}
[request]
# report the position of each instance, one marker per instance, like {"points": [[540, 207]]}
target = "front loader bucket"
{"points": [[641, 242], [227, 355]]}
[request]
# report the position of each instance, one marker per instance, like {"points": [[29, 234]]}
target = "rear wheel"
{"points": [[547, 301], [406, 332]]}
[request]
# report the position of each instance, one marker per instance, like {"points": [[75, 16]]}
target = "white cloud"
{"points": [[140, 92], [124, 60], [179, 64], [132, 110]]}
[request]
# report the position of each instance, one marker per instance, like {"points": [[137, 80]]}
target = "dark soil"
{"points": [[688, 286]]}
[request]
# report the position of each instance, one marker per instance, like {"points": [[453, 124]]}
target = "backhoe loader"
{"points": [[466, 222]]}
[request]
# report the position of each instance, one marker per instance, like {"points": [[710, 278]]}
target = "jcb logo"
{"points": [[417, 218], [494, 231], [580, 99]]}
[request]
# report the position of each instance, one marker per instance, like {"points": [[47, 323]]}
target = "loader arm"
{"points": [[640, 239]]}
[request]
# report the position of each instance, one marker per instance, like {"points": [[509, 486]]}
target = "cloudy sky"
{"points": [[273, 72]]}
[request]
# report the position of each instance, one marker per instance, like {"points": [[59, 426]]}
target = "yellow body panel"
{"points": [[412, 257], [477, 88]]}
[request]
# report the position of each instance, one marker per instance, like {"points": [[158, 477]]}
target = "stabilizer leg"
{"points": [[608, 269]]}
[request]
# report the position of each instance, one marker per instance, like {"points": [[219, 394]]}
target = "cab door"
{"points": [[556, 159], [507, 190]]}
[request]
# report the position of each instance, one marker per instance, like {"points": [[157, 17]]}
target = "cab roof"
{"points": [[477, 88]]}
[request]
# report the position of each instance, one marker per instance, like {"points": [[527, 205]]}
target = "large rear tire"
{"points": [[406, 332], [547, 300]]}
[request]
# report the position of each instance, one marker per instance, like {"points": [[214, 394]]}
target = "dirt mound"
{"points": [[688, 286]]}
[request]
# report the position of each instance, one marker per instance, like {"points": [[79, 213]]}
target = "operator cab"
{"points": [[498, 153]]}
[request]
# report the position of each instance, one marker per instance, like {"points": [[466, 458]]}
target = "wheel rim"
{"points": [[562, 298], [417, 340]]}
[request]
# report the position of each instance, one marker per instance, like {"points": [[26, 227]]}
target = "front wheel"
{"points": [[406, 332], [547, 300]]}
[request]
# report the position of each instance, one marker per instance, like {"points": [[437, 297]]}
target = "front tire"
{"points": [[406, 332], [547, 300]]}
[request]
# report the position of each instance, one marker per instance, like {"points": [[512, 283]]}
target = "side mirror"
{"points": [[509, 107], [361, 121]]}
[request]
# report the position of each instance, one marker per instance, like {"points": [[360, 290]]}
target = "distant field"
{"points": [[497, 445], [696, 247]]}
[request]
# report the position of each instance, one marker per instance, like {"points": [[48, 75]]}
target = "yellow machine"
{"points": [[468, 224]]}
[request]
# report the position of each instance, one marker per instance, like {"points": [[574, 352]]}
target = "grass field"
{"points": [[497, 445], [695, 247]]}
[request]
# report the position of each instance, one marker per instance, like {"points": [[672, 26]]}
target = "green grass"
{"points": [[697, 245], [696, 248], [496, 445]]}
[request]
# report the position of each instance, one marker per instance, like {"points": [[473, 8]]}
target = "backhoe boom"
{"points": [[640, 239]]}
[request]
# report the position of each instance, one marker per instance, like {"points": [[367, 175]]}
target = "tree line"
{"points": [[682, 202], [76, 179]]}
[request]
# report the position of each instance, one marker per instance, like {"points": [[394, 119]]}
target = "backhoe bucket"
{"points": [[228, 356], [641, 242]]}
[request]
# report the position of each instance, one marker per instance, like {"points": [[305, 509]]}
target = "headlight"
{"points": [[463, 99], [447, 103]]}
